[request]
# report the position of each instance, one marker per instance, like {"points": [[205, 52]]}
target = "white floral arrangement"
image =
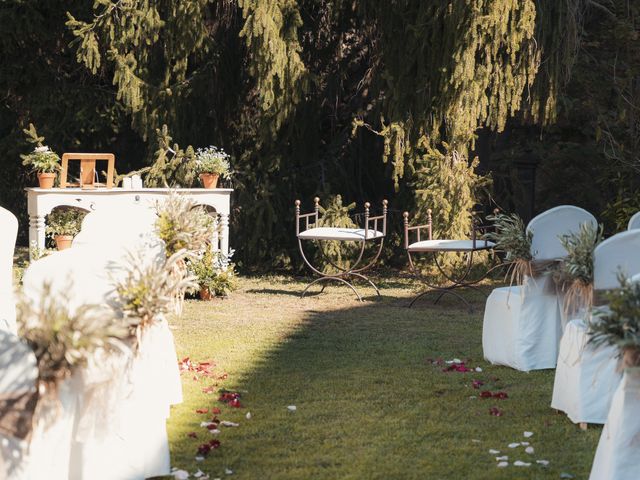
{"points": [[213, 160]]}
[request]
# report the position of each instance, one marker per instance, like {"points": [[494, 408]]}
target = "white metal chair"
{"points": [[9, 228], [522, 324], [587, 377], [370, 232], [470, 247]]}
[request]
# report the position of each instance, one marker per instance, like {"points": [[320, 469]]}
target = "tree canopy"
{"points": [[361, 98]]}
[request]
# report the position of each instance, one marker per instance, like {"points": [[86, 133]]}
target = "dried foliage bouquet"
{"points": [[183, 225], [64, 339], [574, 274], [148, 290], [511, 237], [619, 323]]}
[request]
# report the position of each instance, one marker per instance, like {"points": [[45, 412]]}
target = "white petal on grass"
{"points": [[544, 463], [180, 474], [292, 408], [502, 458], [215, 431], [514, 445], [525, 444], [529, 450], [227, 423], [520, 463], [478, 369], [475, 440], [206, 424], [503, 464], [494, 452], [228, 471], [528, 434], [248, 415], [199, 458]]}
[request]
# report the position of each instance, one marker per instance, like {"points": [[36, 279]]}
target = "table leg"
{"points": [[36, 232], [224, 233]]}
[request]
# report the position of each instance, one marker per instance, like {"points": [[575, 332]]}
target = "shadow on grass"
{"points": [[369, 403]]}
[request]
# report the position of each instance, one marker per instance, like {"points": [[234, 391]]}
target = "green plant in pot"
{"points": [[63, 224], [43, 161], [212, 163], [214, 274]]}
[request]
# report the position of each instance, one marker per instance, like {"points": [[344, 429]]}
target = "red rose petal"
{"points": [[486, 394], [216, 411], [192, 435], [500, 395], [202, 410]]}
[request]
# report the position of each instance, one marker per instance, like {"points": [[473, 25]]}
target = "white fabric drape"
{"points": [[9, 229]]}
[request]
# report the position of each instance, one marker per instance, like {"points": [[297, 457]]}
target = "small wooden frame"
{"points": [[87, 169]]}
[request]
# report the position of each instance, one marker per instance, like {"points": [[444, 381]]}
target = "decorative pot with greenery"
{"points": [[63, 225], [214, 274], [212, 163], [45, 162]]}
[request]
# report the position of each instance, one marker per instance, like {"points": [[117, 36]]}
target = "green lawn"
{"points": [[369, 402]]}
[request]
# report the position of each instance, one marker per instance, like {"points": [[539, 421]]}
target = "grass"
{"points": [[369, 403]]}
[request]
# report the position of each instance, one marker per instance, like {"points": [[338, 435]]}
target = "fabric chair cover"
{"points": [[9, 229], [121, 427], [587, 377], [618, 453], [523, 324], [18, 374], [634, 221]]}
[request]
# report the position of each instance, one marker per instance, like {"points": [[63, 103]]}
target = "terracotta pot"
{"points": [[209, 180], [205, 294], [45, 180], [63, 241]]}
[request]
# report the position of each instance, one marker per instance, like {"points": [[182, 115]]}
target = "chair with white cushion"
{"points": [[9, 229], [374, 230], [522, 324], [587, 376], [634, 221], [468, 247]]}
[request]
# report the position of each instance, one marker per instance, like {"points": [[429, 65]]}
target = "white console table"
{"points": [[41, 201]]}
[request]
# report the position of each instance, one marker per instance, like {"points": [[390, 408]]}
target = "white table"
{"points": [[41, 201]]}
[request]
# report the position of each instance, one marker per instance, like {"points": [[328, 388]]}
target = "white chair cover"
{"points": [[587, 377], [618, 453], [9, 229], [18, 374], [634, 221], [523, 324], [121, 427]]}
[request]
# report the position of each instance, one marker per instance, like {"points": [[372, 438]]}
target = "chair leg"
{"points": [[327, 279]]}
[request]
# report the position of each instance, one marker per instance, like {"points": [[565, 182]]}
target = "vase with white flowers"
{"points": [[45, 162], [212, 163]]}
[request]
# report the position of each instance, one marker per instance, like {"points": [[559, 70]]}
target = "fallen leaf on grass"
{"points": [[202, 410], [496, 412], [192, 435]]}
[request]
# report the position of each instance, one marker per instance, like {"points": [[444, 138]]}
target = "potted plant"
{"points": [[212, 163], [63, 225], [214, 274], [45, 162]]}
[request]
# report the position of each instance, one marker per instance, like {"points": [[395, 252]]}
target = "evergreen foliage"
{"points": [[286, 87]]}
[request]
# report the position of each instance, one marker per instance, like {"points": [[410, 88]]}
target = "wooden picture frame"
{"points": [[87, 169]]}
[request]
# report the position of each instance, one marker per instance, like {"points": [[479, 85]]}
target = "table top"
{"points": [[120, 190]]}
